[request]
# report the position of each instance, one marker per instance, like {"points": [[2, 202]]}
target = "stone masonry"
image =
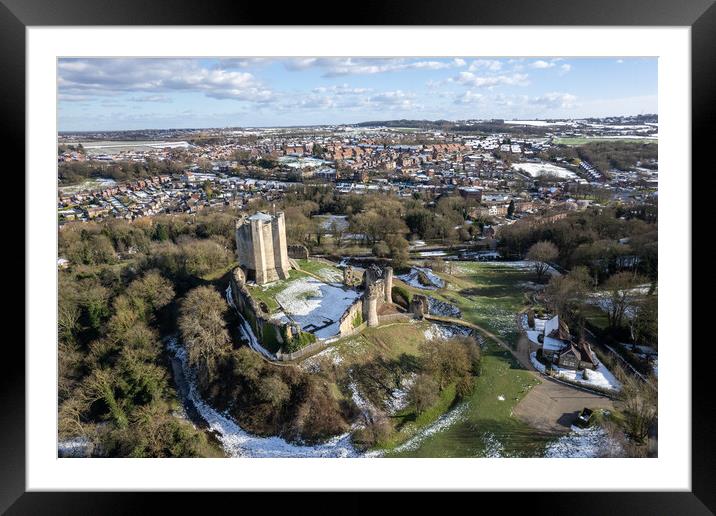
{"points": [[261, 247]]}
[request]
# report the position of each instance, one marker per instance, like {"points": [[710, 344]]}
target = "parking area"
{"points": [[552, 406]]}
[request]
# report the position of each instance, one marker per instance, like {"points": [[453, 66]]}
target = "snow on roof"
{"points": [[551, 325], [552, 344], [260, 216]]}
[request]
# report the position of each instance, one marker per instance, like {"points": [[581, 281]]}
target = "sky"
{"points": [[97, 94]]}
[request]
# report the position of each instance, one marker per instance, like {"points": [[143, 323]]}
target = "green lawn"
{"points": [[324, 271], [596, 316], [487, 427], [489, 294], [267, 293]]}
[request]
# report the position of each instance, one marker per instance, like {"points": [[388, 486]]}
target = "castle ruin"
{"points": [[261, 247], [378, 284]]}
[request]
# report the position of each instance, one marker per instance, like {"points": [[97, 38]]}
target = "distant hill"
{"points": [[420, 124]]}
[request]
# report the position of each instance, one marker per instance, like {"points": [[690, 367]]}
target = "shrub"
{"points": [[464, 387], [300, 340], [357, 320], [423, 393], [401, 296]]}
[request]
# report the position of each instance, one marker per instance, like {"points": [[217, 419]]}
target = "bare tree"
{"points": [[622, 296], [640, 407], [203, 328], [542, 253], [423, 393]]}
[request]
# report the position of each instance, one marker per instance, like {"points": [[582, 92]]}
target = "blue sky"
{"points": [[138, 93]]}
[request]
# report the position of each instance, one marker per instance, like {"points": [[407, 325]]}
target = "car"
{"points": [[584, 418]]}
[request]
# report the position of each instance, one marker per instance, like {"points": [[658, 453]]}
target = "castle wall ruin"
{"points": [[378, 285]]}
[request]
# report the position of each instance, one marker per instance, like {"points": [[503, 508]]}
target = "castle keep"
{"points": [[261, 247]]}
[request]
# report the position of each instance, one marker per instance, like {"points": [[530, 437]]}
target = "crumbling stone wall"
{"points": [[298, 252], [351, 319], [352, 277], [418, 306], [270, 333]]}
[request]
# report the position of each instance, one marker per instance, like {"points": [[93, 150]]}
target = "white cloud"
{"points": [[109, 77], [492, 65], [151, 98], [469, 97], [554, 100], [479, 81], [335, 67], [393, 99], [341, 89], [540, 64], [566, 67]]}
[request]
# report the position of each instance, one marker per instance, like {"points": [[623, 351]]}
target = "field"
{"points": [[540, 169], [583, 141], [489, 295]]}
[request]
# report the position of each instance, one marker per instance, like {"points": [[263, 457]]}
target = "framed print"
{"points": [[420, 253]]}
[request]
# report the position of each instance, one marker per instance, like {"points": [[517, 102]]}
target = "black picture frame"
{"points": [[16, 15]]}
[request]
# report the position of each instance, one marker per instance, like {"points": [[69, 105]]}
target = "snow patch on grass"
{"points": [[437, 307], [493, 447], [398, 398], [316, 306], [411, 279], [445, 331], [443, 422], [239, 443], [74, 447], [583, 443]]}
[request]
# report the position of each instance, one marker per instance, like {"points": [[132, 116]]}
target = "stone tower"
{"points": [[261, 247], [388, 277], [370, 306]]}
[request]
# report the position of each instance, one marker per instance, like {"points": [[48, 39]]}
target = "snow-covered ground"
{"points": [[538, 123], [327, 221], [411, 279], [600, 377], [437, 307], [541, 169], [398, 398], [330, 275], [239, 443], [443, 422], [604, 300], [524, 264], [75, 447], [316, 306], [583, 443], [445, 331], [493, 447], [481, 256]]}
